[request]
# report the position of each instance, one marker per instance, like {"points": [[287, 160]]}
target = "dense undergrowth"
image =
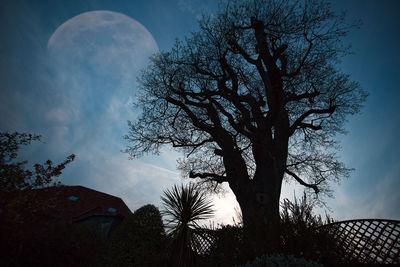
{"points": [[141, 240]]}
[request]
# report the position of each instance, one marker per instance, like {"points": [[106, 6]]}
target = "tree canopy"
{"points": [[18, 199], [13, 175], [253, 97]]}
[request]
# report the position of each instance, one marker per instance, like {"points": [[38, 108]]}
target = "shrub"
{"points": [[227, 249], [280, 260], [299, 232], [139, 240], [51, 244], [298, 236]]}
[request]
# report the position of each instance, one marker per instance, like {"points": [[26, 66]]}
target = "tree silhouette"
{"points": [[254, 97], [17, 183], [13, 175]]}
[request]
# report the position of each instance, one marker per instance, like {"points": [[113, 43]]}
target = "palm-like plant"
{"points": [[184, 208]]}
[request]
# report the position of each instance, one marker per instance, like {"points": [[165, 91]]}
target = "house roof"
{"points": [[69, 203]]}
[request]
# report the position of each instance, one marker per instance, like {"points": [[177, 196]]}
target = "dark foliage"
{"points": [[51, 244], [281, 260], [139, 240], [17, 183], [227, 249], [13, 175], [185, 207], [300, 233], [299, 236], [28, 238]]}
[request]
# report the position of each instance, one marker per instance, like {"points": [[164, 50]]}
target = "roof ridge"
{"points": [[84, 187]]}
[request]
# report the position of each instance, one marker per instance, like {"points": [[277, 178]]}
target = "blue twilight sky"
{"points": [[71, 77]]}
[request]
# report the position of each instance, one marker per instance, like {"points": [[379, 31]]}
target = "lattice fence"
{"points": [[203, 240], [367, 241]]}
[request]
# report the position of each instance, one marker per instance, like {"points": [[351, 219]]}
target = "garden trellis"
{"points": [[370, 241]]}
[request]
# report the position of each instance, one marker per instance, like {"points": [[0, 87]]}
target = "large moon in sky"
{"points": [[94, 59], [96, 56], [110, 41]]}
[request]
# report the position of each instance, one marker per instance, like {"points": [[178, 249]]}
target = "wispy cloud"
{"points": [[196, 7], [381, 200]]}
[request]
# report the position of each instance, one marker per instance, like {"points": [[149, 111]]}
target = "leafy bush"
{"points": [[227, 249], [13, 175], [87, 245], [279, 261], [17, 183], [299, 232], [139, 240], [51, 244], [298, 236]]}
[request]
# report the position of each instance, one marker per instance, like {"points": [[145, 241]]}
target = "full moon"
{"points": [[94, 60], [107, 41]]}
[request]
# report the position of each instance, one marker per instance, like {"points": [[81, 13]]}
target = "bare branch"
{"points": [[303, 60], [307, 95], [215, 177], [303, 125], [299, 121], [298, 179], [255, 94]]}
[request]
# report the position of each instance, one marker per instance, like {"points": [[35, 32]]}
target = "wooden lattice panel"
{"points": [[202, 240], [367, 241]]}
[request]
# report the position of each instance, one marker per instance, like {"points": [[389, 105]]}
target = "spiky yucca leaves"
{"points": [[184, 207]]}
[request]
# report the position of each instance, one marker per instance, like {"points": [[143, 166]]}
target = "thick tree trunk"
{"points": [[259, 202], [259, 198]]}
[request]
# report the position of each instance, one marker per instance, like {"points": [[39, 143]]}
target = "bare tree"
{"points": [[252, 98]]}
